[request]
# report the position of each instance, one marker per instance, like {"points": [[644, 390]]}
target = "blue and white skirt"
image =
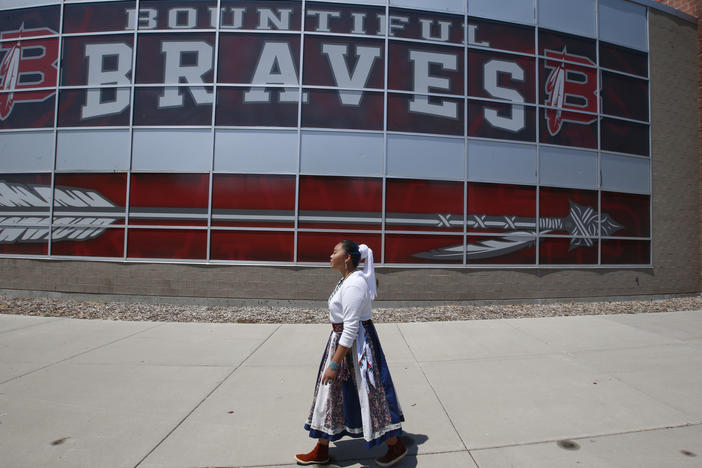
{"points": [[361, 401]]}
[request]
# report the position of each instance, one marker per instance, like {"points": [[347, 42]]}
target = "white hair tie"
{"points": [[368, 272]]}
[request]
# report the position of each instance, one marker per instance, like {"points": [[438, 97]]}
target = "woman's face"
{"points": [[338, 257]]}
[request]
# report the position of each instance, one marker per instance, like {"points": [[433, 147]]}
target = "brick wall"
{"points": [[694, 8]]}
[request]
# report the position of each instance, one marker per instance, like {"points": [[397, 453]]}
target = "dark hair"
{"points": [[351, 248]]}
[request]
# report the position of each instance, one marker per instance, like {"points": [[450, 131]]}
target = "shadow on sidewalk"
{"points": [[367, 457]]}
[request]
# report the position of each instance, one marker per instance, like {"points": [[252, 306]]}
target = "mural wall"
{"points": [[266, 131]]}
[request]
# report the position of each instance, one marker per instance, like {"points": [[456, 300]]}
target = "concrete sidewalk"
{"points": [[590, 391]]}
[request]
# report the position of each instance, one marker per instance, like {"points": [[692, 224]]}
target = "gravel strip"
{"points": [[62, 307]]}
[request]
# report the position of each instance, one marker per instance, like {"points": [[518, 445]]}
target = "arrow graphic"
{"points": [[82, 214]]}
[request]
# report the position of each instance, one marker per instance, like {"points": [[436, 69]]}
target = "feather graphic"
{"points": [[9, 71], [24, 210], [555, 87], [484, 249]]}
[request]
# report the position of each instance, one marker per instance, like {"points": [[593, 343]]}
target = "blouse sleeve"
{"points": [[352, 302]]}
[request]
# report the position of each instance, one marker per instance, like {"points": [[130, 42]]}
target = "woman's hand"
{"points": [[329, 376]]}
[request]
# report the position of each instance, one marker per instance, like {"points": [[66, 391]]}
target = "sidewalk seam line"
{"points": [[46, 322], [645, 393], [421, 368], [207, 396], [79, 354], [525, 444]]}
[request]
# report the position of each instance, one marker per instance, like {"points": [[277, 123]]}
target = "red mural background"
{"points": [[263, 67]]}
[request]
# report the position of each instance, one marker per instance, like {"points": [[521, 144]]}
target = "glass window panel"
{"points": [[99, 17], [562, 167], [559, 46], [172, 150], [425, 157], [41, 182], [320, 205], [256, 151], [177, 14], [88, 200], [354, 154], [330, 16], [500, 35], [100, 107], [175, 58], [46, 18], [27, 109], [26, 65], [252, 245], [88, 242], [253, 200], [490, 161], [23, 240], [265, 107], [259, 58], [494, 75], [412, 248], [167, 243], [567, 86], [425, 68], [501, 208], [266, 15], [625, 137], [425, 114], [564, 251], [169, 199], [7, 4], [29, 64], [173, 105], [423, 205], [452, 6], [24, 213], [625, 174], [626, 214], [626, 252], [515, 249], [516, 11], [623, 23], [331, 108], [318, 246], [623, 59], [568, 211], [27, 151], [369, 2], [93, 150], [567, 128], [344, 62], [97, 60], [573, 16], [501, 120], [426, 26], [624, 96]]}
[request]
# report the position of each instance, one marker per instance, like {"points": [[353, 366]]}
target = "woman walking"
{"points": [[354, 394]]}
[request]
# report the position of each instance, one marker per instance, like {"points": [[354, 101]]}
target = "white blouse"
{"points": [[350, 304]]}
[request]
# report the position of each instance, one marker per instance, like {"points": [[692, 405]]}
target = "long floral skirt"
{"points": [[353, 405]]}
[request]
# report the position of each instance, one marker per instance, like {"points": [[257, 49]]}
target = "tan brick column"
{"points": [[694, 8]]}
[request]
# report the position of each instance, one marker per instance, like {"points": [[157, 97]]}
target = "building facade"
{"points": [[220, 148]]}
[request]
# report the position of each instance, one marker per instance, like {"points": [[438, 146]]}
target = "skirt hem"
{"points": [[317, 434]]}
